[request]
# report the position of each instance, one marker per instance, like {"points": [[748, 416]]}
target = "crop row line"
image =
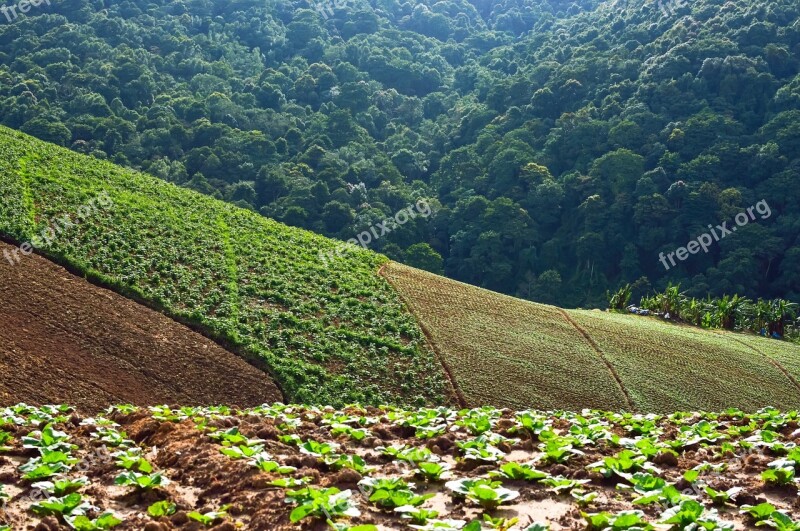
{"points": [[602, 355], [772, 360], [462, 401]]}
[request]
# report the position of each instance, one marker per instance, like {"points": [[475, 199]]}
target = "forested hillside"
{"points": [[568, 143]]}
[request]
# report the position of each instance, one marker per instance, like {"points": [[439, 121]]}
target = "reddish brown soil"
{"points": [[202, 479], [63, 339]]}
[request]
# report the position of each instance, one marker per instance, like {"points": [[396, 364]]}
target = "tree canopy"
{"points": [[560, 143]]}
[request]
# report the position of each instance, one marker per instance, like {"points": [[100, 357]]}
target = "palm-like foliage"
{"points": [[619, 299], [731, 312]]}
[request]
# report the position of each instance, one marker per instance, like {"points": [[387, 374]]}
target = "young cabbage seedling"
{"points": [[290, 483], [69, 505], [485, 493], [500, 524], [618, 522], [760, 512], [417, 515], [263, 461], [784, 475], [518, 472], [61, 487], [162, 508], [432, 471], [693, 515], [722, 497], [210, 518], [140, 481], [321, 504], [107, 520]]}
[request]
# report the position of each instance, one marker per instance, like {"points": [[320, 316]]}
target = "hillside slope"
{"points": [[329, 335], [597, 132], [516, 353], [63, 339], [335, 331]]}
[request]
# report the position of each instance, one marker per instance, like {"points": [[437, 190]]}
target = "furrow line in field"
{"points": [[462, 401], [772, 360], [600, 353]]}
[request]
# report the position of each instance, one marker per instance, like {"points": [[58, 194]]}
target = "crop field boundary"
{"points": [[772, 360], [98, 280], [600, 353], [462, 401]]}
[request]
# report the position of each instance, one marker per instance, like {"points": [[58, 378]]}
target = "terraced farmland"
{"points": [[328, 334], [515, 353], [338, 332]]}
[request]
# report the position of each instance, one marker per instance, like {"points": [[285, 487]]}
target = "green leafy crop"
{"points": [[321, 504], [140, 481]]}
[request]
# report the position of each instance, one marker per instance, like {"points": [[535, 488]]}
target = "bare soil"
{"points": [[64, 340], [202, 479]]}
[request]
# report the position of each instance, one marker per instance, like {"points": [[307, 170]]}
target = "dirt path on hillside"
{"points": [[63, 339]]}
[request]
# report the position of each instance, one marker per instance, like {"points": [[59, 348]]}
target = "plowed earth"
{"points": [[185, 447], [63, 339]]}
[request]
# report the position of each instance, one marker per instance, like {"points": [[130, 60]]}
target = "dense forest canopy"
{"points": [[564, 145]]}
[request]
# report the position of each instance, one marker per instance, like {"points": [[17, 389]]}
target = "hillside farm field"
{"points": [[328, 334], [291, 467], [506, 351], [515, 353], [63, 339], [688, 367]]}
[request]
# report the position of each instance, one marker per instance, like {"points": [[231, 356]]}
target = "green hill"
{"points": [[329, 335], [353, 326]]}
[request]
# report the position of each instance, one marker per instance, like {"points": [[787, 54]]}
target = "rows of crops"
{"points": [[506, 351], [285, 467], [514, 353], [328, 334], [668, 367]]}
